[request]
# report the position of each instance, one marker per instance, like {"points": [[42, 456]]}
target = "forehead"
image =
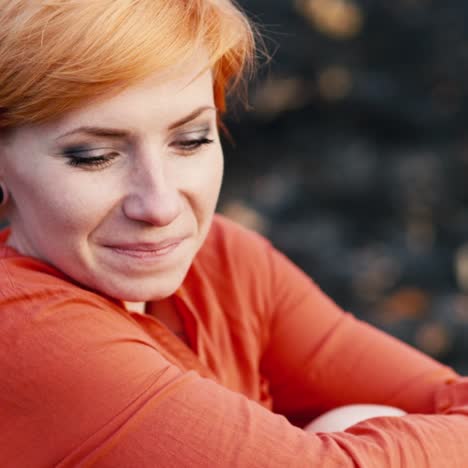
{"points": [[158, 100]]}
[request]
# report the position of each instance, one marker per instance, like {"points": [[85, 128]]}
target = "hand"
{"points": [[341, 418]]}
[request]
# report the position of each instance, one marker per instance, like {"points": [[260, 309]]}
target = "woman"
{"points": [[138, 328]]}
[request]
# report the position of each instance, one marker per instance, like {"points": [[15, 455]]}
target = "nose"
{"points": [[153, 196]]}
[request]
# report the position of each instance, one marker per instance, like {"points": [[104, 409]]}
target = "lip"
{"points": [[147, 250]]}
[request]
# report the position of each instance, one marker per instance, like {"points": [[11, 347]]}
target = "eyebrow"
{"points": [[192, 116], [118, 133]]}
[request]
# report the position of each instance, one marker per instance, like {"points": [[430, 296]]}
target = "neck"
{"points": [[135, 306]]}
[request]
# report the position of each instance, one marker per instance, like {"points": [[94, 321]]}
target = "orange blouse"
{"points": [[84, 382]]}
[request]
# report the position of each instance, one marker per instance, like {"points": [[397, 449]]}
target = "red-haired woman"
{"points": [[139, 329]]}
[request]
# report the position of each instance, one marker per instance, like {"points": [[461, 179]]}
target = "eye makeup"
{"points": [[192, 140], [97, 155], [190, 146], [90, 156]]}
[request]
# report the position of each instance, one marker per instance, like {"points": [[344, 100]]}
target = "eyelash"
{"points": [[187, 147], [190, 146]]}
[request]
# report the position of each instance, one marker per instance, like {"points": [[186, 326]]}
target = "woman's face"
{"points": [[120, 194]]}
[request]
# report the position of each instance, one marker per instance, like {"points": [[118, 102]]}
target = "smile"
{"points": [[147, 251]]}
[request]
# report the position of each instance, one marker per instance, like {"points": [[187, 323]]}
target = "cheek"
{"points": [[79, 208], [57, 202], [204, 180]]}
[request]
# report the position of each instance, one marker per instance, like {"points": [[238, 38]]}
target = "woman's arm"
{"points": [[343, 417], [319, 357], [84, 385]]}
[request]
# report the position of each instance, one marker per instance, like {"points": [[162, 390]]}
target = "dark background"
{"points": [[353, 158]]}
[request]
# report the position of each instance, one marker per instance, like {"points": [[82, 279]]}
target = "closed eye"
{"points": [[79, 156], [94, 162], [191, 146]]}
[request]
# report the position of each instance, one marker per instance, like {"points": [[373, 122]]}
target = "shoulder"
{"points": [[27, 279], [246, 266], [225, 228], [48, 323], [35, 295], [248, 257], [234, 259], [233, 272], [231, 245]]}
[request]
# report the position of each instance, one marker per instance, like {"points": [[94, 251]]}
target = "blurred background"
{"points": [[353, 159]]}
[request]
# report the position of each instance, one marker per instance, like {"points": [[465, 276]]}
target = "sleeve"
{"points": [[83, 385], [319, 357]]}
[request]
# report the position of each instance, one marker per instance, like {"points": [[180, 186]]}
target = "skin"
{"points": [[340, 419], [153, 189]]}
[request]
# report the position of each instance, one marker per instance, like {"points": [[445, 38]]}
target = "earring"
{"points": [[3, 194]]}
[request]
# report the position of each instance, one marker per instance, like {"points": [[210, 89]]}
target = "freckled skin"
{"points": [[151, 191]]}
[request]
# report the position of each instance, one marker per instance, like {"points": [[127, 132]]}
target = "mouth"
{"points": [[147, 250]]}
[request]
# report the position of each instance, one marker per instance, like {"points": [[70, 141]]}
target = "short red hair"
{"points": [[57, 55]]}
